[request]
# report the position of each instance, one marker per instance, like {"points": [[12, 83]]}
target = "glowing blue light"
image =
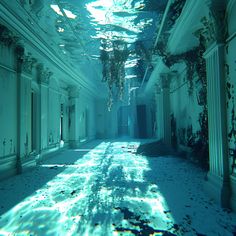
{"points": [[85, 192]]}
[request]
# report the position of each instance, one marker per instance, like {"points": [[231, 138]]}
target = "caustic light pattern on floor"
{"points": [[106, 189]]}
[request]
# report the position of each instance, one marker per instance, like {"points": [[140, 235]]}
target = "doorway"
{"points": [[142, 121], [123, 121]]}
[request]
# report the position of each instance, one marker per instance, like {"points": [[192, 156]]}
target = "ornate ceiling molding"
{"points": [[37, 44]]}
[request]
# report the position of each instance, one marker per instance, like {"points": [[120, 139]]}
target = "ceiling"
{"points": [[80, 31]]}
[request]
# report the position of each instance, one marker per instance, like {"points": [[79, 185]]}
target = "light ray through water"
{"points": [[88, 196]]}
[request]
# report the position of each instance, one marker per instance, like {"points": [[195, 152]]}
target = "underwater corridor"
{"points": [[117, 117], [106, 188]]}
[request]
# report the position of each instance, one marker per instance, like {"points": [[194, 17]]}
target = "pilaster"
{"points": [[159, 113], [19, 53], [165, 83], [218, 176], [43, 78], [163, 109], [74, 93]]}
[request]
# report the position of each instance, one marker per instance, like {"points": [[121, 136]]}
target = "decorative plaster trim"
{"points": [[212, 49], [41, 46], [231, 37], [7, 68], [28, 163], [215, 188], [230, 6], [233, 197], [49, 152], [7, 158], [7, 166], [184, 19], [26, 75]]}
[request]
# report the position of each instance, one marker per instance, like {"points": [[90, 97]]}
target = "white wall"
{"points": [[106, 121], [17, 125], [86, 118], [8, 118], [183, 105], [231, 99], [8, 112]]}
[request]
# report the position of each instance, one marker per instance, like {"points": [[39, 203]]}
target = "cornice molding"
{"points": [[7, 68], [183, 22], [230, 6], [38, 43]]}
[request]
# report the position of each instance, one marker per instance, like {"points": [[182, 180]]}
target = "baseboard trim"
{"points": [[218, 189], [233, 192]]}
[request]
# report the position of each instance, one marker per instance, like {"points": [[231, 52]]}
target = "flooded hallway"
{"points": [[117, 117]]}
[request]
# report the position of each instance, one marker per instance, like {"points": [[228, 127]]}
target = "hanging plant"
{"points": [[113, 57]]}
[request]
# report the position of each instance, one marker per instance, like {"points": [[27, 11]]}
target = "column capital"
{"points": [[74, 91], [28, 63], [7, 38], [44, 75]]}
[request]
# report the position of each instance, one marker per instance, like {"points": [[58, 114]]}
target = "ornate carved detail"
{"points": [[28, 63], [43, 75], [7, 37], [74, 91]]}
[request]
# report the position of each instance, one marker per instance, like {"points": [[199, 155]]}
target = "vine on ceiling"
{"points": [[113, 56]]}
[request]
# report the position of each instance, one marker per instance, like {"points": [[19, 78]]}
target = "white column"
{"points": [[165, 81], [74, 139], [159, 114], [19, 53], [163, 122], [218, 175], [43, 80]]}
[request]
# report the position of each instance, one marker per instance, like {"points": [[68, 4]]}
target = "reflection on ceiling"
{"points": [[116, 37]]}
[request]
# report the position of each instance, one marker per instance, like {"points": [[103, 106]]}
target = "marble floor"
{"points": [[105, 188]]}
